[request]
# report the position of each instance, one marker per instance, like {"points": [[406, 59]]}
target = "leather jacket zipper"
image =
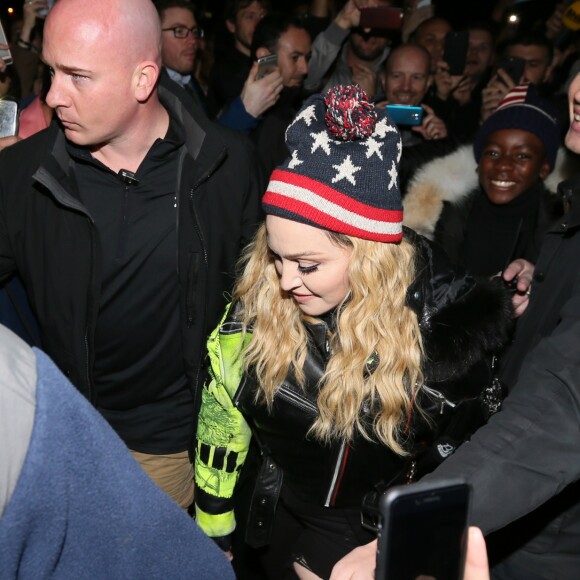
{"points": [[337, 473], [440, 398], [296, 399]]}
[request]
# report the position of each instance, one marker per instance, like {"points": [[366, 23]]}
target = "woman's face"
{"points": [[312, 269]]}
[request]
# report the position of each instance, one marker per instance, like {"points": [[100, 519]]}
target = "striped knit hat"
{"points": [[342, 174], [522, 108]]}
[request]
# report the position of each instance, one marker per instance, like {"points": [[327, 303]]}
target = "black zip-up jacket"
{"points": [[462, 320], [50, 239], [527, 459]]}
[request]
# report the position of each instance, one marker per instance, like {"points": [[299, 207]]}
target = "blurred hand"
{"points": [[554, 23], [432, 127], [462, 92], [524, 272], [445, 83], [366, 77], [497, 88], [359, 564], [259, 95]]}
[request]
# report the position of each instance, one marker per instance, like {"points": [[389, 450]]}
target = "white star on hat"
{"points": [[294, 161], [399, 150], [373, 146], [382, 128], [345, 170], [393, 174], [307, 115], [321, 140]]}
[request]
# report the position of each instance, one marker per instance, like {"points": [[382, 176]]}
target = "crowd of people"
{"points": [[267, 300]]}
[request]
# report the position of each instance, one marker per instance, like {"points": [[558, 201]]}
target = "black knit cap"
{"points": [[522, 108]]}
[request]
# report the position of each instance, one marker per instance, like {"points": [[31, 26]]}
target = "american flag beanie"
{"points": [[522, 108], [343, 171]]}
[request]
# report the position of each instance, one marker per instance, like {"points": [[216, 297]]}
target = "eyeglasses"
{"points": [[183, 31]]}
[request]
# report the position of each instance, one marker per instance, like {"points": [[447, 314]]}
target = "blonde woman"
{"points": [[346, 352]]}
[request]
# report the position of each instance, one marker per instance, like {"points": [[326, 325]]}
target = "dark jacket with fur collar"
{"points": [[448, 180], [463, 321]]}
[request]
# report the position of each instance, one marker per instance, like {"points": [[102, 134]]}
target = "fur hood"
{"points": [[452, 177]]}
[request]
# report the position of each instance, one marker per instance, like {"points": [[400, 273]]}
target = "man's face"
{"points": [[537, 68], [178, 54], [244, 24], [406, 78], [479, 53], [431, 36], [368, 46], [573, 135], [92, 89], [512, 161], [293, 55]]}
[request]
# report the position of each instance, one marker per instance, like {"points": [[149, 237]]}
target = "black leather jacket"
{"points": [[463, 321]]}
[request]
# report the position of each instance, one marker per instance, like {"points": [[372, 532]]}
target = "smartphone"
{"points": [[424, 531], [455, 51], [381, 17], [266, 65], [514, 66], [5, 54], [405, 114], [8, 118]]}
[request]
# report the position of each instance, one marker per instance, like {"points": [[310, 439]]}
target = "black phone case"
{"points": [[455, 55], [514, 66]]}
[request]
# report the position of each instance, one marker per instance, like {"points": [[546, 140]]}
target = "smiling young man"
{"points": [[123, 220], [488, 219]]}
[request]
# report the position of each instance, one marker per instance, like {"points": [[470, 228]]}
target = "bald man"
{"points": [[406, 78], [125, 219]]}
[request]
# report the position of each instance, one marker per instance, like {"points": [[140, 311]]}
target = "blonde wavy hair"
{"points": [[373, 323]]}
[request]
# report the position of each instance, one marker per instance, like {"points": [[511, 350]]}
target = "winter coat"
{"points": [[79, 506], [48, 236], [462, 322], [530, 450], [448, 180]]}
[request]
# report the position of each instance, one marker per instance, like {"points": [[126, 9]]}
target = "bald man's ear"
{"points": [[146, 77]]}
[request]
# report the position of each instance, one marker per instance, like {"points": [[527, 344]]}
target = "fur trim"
{"points": [[469, 329], [452, 177], [448, 178]]}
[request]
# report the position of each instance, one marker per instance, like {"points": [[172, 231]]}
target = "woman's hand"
{"points": [[522, 271]]}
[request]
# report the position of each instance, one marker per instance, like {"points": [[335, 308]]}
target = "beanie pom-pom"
{"points": [[349, 115]]}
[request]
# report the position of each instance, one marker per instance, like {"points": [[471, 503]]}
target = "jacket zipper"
{"points": [[337, 474], [440, 397], [47, 180], [296, 399], [197, 228]]}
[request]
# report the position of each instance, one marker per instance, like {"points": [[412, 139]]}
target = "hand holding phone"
{"points": [[424, 531], [514, 66], [266, 65]]}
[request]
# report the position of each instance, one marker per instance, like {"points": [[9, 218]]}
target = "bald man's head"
{"points": [[129, 27], [407, 77], [105, 61]]}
